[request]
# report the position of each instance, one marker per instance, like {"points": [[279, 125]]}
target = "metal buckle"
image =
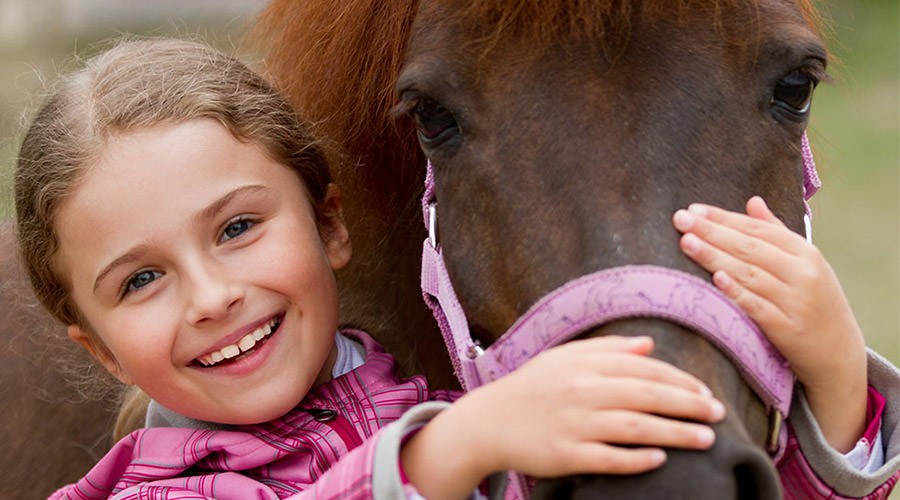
{"points": [[474, 350], [807, 227], [775, 421], [432, 224]]}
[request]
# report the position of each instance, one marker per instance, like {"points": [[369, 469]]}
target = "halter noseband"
{"points": [[607, 295]]}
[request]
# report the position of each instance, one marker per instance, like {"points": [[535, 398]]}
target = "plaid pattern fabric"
{"points": [[322, 448]]}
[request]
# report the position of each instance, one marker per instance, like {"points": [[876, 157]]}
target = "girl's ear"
{"points": [[99, 352], [335, 236]]}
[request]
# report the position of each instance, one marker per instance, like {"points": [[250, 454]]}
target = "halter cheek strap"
{"points": [[811, 183], [604, 296]]}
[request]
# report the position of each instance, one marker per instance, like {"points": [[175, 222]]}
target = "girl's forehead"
{"points": [[168, 184], [189, 163]]}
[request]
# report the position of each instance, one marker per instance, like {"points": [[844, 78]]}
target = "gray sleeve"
{"points": [[386, 481], [831, 465]]}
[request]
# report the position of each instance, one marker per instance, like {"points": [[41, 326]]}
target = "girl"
{"points": [[176, 215]]}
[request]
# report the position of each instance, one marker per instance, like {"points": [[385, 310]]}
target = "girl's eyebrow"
{"points": [[217, 206], [129, 256], [207, 213]]}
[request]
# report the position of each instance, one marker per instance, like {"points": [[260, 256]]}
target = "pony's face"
{"points": [[559, 151]]}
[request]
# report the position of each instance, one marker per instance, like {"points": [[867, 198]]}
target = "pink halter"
{"points": [[604, 296]]}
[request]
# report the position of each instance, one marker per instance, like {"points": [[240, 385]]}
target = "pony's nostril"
{"points": [[754, 482], [746, 479]]}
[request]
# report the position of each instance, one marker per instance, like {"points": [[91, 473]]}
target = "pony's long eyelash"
{"points": [[403, 107]]}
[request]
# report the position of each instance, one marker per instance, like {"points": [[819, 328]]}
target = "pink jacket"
{"points": [[336, 444], [324, 448]]}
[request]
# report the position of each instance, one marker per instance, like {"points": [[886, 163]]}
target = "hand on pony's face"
{"points": [[788, 288], [572, 409]]}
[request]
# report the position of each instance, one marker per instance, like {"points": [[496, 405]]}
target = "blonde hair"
{"points": [[134, 85]]}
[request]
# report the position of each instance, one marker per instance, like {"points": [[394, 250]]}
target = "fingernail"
{"points": [[641, 341], [683, 219], [718, 410], [721, 279], [705, 390], [657, 456], [690, 243], [705, 436], [697, 209]]}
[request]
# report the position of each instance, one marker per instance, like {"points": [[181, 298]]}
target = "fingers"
{"points": [[758, 224], [630, 360], [757, 208], [594, 405], [628, 391], [625, 442], [641, 429], [759, 255], [600, 458], [594, 379]]}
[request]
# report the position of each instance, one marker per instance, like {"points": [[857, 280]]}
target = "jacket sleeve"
{"points": [[811, 469]]}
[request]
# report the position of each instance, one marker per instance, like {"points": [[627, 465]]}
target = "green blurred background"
{"points": [[855, 134], [855, 129]]}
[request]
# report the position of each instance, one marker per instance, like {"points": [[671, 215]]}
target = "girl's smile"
{"points": [[200, 264], [242, 348]]}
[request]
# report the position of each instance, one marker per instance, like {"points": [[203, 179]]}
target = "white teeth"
{"points": [[246, 343], [230, 351]]}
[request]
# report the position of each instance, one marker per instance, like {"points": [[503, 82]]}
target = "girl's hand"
{"points": [[785, 284], [566, 411]]}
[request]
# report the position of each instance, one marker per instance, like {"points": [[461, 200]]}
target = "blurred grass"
{"points": [[28, 67], [855, 133]]}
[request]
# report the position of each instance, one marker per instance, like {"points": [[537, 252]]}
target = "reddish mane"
{"points": [[350, 98]]}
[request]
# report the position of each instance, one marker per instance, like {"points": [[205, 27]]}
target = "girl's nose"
{"points": [[213, 293]]}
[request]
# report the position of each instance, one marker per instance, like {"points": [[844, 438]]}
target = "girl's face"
{"points": [[196, 259]]}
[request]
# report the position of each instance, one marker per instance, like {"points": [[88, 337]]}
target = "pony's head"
{"points": [[563, 136]]}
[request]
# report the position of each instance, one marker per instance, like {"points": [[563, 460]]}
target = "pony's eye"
{"points": [[794, 91], [434, 122]]}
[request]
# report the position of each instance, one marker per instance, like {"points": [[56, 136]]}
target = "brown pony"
{"points": [[563, 136]]}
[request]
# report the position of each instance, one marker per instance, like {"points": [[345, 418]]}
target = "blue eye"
{"points": [[236, 228], [140, 280]]}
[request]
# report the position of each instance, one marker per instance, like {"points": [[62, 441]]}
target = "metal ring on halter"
{"points": [[807, 227], [432, 224], [772, 438]]}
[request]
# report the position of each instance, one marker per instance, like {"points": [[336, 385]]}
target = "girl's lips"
{"points": [[246, 344]]}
